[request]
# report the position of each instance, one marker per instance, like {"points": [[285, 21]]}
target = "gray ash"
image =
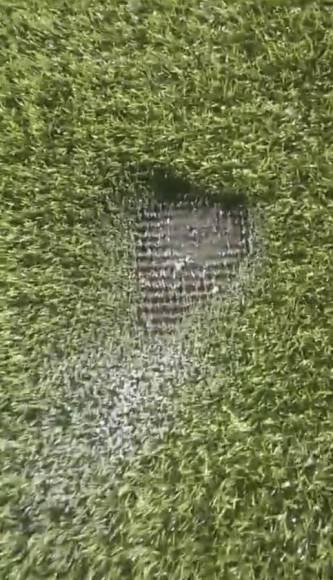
{"points": [[185, 255]]}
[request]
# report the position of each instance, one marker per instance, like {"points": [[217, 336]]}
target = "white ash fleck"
{"points": [[106, 407]]}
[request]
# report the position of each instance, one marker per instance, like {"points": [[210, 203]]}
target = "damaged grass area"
{"points": [[235, 99]]}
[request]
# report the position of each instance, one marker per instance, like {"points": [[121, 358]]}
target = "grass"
{"points": [[237, 99]]}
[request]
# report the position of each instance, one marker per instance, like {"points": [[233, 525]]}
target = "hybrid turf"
{"points": [[234, 478]]}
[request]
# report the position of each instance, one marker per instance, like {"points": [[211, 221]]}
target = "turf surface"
{"points": [[236, 98]]}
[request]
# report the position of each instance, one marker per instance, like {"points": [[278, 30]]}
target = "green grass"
{"points": [[234, 97]]}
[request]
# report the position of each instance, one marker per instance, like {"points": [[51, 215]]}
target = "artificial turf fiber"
{"points": [[234, 97]]}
